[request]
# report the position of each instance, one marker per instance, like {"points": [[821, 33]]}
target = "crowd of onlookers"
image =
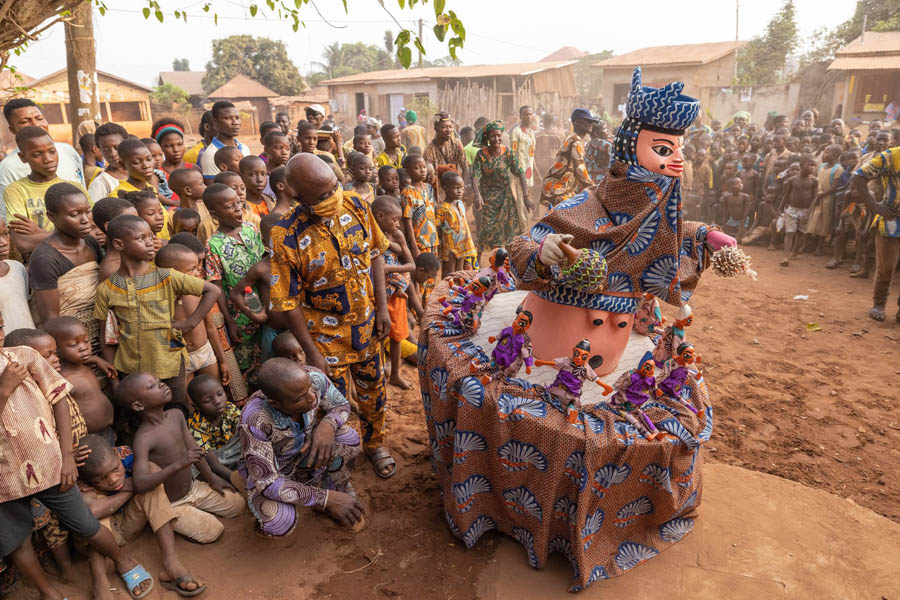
{"points": [[188, 329]]}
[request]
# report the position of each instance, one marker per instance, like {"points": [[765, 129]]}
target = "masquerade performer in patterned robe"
{"points": [[630, 223]]}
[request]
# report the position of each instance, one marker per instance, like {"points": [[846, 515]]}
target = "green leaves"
{"points": [[146, 11], [253, 10], [439, 32], [404, 55], [439, 7]]}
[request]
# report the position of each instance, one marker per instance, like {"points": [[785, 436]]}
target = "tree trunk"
{"points": [[81, 64]]}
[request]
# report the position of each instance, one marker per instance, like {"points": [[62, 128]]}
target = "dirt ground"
{"points": [[816, 407]]}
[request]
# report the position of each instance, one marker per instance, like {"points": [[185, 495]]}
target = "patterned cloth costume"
{"points": [[595, 490], [499, 217], [274, 458], [323, 268], [568, 175]]}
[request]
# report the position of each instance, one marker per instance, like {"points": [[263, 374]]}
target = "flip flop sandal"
{"points": [[381, 458], [854, 269], [832, 264], [175, 586], [133, 580], [876, 314]]}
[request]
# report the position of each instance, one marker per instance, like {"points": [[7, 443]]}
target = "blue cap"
{"points": [[664, 107], [583, 113]]}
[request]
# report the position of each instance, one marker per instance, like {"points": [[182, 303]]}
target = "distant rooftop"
{"points": [[873, 51], [241, 86], [565, 53], [466, 72], [681, 54], [189, 81]]}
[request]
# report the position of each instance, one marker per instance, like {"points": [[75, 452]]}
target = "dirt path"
{"points": [[815, 407]]}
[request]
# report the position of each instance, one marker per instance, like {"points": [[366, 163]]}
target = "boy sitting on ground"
{"points": [[32, 398], [215, 420], [298, 458], [74, 350], [164, 440], [108, 488]]}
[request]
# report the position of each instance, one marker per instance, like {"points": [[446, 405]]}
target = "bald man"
{"points": [[328, 279]]}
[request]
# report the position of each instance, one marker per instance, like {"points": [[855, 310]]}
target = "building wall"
{"points": [[119, 102], [718, 73], [860, 95], [342, 99], [722, 103]]}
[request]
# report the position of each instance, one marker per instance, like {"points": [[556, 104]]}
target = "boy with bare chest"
{"points": [[799, 193], [164, 440], [750, 178], [74, 348], [734, 206]]}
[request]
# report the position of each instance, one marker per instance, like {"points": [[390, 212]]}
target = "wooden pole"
{"points": [[81, 64]]}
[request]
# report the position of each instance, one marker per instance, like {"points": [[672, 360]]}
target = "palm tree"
{"points": [[335, 55]]}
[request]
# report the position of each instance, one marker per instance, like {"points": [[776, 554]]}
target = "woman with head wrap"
{"points": [[445, 149], [169, 134], [739, 122], [494, 167]]}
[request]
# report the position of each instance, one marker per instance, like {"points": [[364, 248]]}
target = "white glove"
{"points": [[550, 253]]}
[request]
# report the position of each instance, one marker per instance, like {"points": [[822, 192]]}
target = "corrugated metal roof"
{"points": [[680, 54], [241, 86], [873, 42], [467, 72], [866, 63], [189, 81]]}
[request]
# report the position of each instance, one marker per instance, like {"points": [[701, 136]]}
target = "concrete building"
{"points": [[702, 67], [870, 76], [494, 91], [121, 101]]}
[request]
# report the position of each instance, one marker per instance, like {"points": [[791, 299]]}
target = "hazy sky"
{"points": [[499, 31]]}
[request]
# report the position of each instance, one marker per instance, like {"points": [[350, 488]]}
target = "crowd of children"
{"points": [[140, 321], [140, 327]]}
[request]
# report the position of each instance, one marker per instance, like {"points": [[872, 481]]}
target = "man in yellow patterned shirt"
{"points": [[328, 279]]}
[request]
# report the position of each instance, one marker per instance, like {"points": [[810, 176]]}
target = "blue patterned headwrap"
{"points": [[663, 109]]}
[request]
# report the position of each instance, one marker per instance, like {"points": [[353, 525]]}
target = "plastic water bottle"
{"points": [[252, 300]]}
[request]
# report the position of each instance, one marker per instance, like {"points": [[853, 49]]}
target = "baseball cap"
{"points": [[316, 108], [583, 113]]}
